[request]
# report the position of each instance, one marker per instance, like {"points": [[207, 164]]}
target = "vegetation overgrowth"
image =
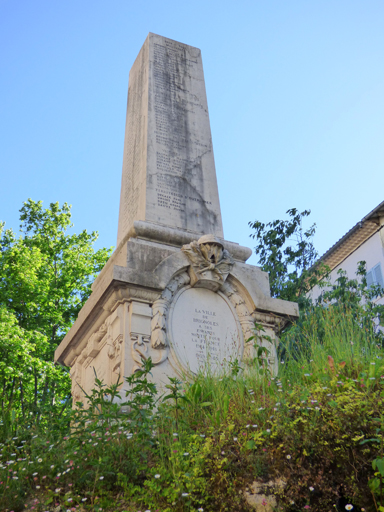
{"points": [[318, 426], [316, 429]]}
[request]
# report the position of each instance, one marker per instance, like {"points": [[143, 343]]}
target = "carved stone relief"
{"points": [[243, 313], [156, 346], [124, 294], [276, 323], [96, 342], [269, 322], [115, 354], [210, 262], [141, 350], [75, 373], [160, 310]]}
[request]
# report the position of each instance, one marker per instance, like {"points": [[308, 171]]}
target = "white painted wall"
{"points": [[371, 251]]}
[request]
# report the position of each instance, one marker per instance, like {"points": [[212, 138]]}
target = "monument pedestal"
{"points": [[174, 290], [150, 307]]}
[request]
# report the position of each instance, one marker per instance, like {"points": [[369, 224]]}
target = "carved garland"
{"points": [[247, 321], [160, 309], [143, 346], [156, 345], [242, 311]]}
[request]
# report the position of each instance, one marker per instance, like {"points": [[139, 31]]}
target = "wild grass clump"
{"points": [[317, 426]]}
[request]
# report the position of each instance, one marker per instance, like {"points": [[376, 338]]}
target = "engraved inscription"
{"points": [[175, 107], [206, 337], [204, 330]]}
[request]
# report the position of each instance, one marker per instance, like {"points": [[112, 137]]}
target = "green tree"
{"points": [[45, 278], [31, 383], [286, 251]]}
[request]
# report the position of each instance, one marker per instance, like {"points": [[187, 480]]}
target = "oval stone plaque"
{"points": [[204, 331]]}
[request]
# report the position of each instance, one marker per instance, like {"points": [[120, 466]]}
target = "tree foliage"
{"points": [[286, 251], [45, 277], [32, 385]]}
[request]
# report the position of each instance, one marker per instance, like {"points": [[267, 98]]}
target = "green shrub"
{"points": [[317, 425]]}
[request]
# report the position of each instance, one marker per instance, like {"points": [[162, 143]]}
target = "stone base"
{"points": [[144, 304]]}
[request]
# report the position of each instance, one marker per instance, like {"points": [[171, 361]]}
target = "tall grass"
{"points": [[200, 446], [334, 332]]}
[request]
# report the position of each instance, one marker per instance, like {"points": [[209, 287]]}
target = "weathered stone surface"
{"points": [[261, 502], [178, 237], [169, 175], [261, 495], [174, 290]]}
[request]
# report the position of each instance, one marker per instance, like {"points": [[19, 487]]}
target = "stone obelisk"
{"points": [[169, 176], [174, 290]]}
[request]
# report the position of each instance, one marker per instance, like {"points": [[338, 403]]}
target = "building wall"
{"points": [[371, 251]]}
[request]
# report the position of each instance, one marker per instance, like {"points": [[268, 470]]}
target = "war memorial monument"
{"points": [[174, 289]]}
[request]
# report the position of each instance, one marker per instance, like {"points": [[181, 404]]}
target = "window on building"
{"points": [[375, 276]]}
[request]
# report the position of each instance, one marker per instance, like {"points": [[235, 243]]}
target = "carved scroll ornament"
{"points": [[141, 351], [115, 353]]}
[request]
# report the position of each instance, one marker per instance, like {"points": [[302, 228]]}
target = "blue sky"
{"points": [[295, 94]]}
